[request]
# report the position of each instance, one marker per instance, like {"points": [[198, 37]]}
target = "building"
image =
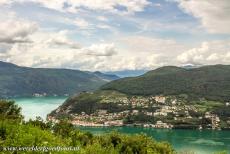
{"points": [[160, 124], [160, 99]]}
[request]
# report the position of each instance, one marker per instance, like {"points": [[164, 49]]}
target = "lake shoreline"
{"points": [[128, 126], [88, 124], [199, 141], [203, 141]]}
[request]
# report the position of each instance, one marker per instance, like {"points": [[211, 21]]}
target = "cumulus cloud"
{"points": [[12, 30], [100, 50], [24, 43], [213, 52], [60, 39], [214, 15], [55, 49], [194, 55], [151, 44]]}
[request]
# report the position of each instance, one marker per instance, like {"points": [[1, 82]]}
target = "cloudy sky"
{"points": [[112, 35]]}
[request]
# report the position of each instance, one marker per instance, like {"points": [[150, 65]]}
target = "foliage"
{"points": [[24, 81], [63, 134], [38, 122], [210, 82], [139, 118], [8, 110]]}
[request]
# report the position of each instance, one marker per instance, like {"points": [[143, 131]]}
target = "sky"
{"points": [[114, 35]]}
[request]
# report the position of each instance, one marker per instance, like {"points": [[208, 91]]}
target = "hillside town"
{"points": [[151, 111]]}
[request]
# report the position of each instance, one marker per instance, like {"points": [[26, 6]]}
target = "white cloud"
{"points": [[131, 6], [150, 44], [50, 49], [4, 2], [24, 43], [100, 50], [55, 49], [194, 55], [61, 39], [16, 30], [104, 26], [81, 23], [102, 18], [214, 14], [209, 53]]}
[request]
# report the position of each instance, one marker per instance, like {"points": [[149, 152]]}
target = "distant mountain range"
{"points": [[211, 82], [24, 81], [135, 73], [128, 73]]}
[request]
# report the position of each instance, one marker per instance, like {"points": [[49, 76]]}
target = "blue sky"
{"points": [[114, 35]]}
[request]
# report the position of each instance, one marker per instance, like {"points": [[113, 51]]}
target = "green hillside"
{"points": [[23, 81], [210, 82], [178, 97], [19, 136]]}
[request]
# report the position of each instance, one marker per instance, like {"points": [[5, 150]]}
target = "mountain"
{"points": [[107, 77], [210, 82], [167, 97], [25, 81], [128, 73]]}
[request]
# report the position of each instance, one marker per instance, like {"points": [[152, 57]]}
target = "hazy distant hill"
{"points": [[24, 81], [128, 73], [212, 82], [104, 76]]}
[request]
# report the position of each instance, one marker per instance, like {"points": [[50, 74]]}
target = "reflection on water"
{"points": [[207, 142]]}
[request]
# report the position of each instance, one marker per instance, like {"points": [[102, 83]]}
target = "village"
{"points": [[160, 112]]}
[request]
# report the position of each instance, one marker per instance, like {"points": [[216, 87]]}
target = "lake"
{"points": [[38, 106], [201, 142]]}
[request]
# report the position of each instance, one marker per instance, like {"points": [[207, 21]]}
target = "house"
{"points": [[160, 99], [102, 112], [160, 124], [160, 113], [114, 123], [174, 102], [135, 112]]}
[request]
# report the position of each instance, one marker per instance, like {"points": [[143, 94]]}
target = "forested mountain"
{"points": [[211, 82], [24, 81], [158, 96]]}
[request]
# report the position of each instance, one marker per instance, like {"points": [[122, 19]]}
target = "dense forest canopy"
{"points": [[25, 81], [210, 82]]}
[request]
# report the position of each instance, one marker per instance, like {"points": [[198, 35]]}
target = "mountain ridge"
{"points": [[211, 81], [24, 81]]}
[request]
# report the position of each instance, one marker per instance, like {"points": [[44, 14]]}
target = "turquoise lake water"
{"points": [[38, 106], [200, 142]]}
